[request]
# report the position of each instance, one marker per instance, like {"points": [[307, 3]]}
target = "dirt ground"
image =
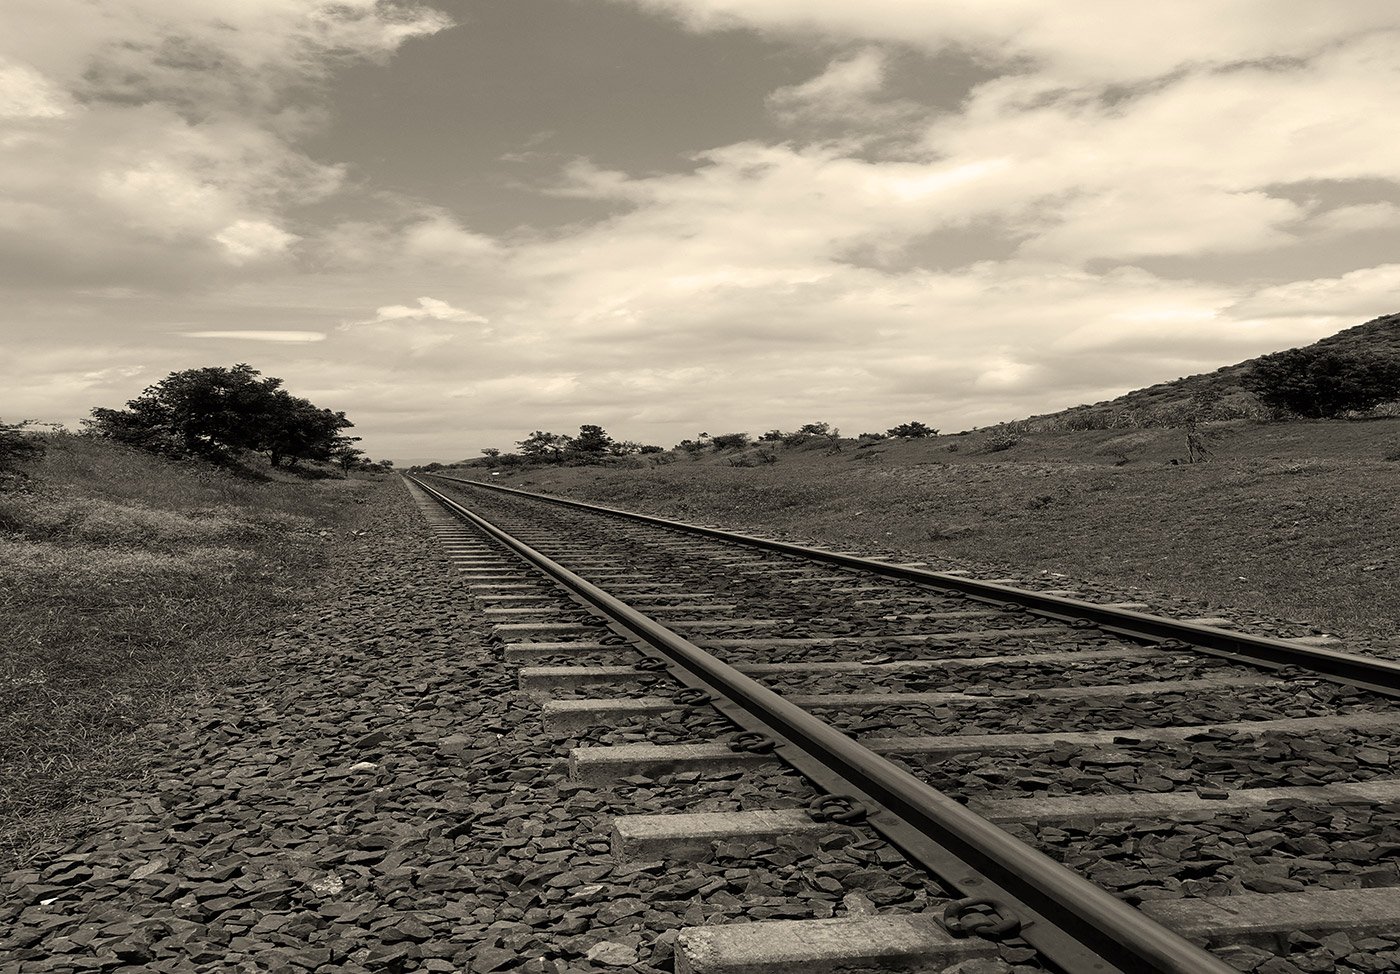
{"points": [[1297, 521]]}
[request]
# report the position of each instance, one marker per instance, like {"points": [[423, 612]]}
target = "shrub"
{"points": [[772, 436], [649, 448], [809, 432], [17, 446], [1002, 438], [913, 430], [730, 441], [1324, 384]]}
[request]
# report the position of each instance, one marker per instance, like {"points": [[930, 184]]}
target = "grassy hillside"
{"points": [[1155, 404], [128, 583]]}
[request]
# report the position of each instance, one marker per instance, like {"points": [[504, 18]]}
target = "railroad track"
{"points": [[1094, 788]]}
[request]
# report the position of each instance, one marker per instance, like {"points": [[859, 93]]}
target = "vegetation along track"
{"points": [[1104, 786]]}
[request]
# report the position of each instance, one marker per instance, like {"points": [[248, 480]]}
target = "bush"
{"points": [[772, 436], [17, 446], [913, 430], [730, 441], [809, 432], [1324, 384], [1002, 438]]}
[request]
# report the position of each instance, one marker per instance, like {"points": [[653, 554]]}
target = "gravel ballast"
{"points": [[379, 797]]}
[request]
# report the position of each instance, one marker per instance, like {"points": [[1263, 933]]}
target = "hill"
{"points": [[1163, 404]]}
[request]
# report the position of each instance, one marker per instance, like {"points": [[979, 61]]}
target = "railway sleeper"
{"points": [[560, 715]]}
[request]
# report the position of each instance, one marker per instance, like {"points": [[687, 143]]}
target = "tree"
{"points": [[216, 413], [914, 430], [591, 443], [297, 430], [1323, 383], [347, 454], [729, 441], [543, 447], [490, 453]]}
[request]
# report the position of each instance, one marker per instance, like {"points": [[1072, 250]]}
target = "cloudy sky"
{"points": [[462, 220]]}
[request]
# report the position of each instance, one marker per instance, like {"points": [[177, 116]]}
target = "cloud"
{"points": [[399, 331], [1066, 40], [247, 240], [423, 237], [259, 336], [1364, 293], [25, 93], [847, 92], [428, 308], [1357, 218], [159, 134]]}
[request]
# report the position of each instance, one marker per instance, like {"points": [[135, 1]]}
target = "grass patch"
{"points": [[131, 586]]}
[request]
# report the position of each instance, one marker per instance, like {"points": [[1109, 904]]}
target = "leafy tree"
{"points": [[914, 430], [543, 447], [772, 436], [649, 448], [347, 455], [216, 413], [490, 453], [592, 442], [1323, 383]]}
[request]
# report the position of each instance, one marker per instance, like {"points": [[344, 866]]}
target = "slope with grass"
{"points": [[1377, 336], [129, 586]]}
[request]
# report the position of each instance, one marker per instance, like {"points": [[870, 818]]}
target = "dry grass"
{"points": [[129, 586], [1296, 521]]}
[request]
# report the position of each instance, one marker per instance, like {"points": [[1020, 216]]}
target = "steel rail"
{"points": [[1377, 675], [1077, 925]]}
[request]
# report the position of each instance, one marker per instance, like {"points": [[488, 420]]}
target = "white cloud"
{"points": [[25, 93], [247, 240], [428, 308], [183, 159], [259, 336], [1363, 293], [1344, 220], [848, 92], [1094, 40]]}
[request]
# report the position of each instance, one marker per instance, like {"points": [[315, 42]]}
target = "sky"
{"points": [[463, 220]]}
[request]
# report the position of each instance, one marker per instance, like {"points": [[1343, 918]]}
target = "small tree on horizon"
{"points": [[543, 447], [913, 430]]}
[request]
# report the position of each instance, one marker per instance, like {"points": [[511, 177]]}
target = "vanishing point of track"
{"points": [[900, 692]]}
